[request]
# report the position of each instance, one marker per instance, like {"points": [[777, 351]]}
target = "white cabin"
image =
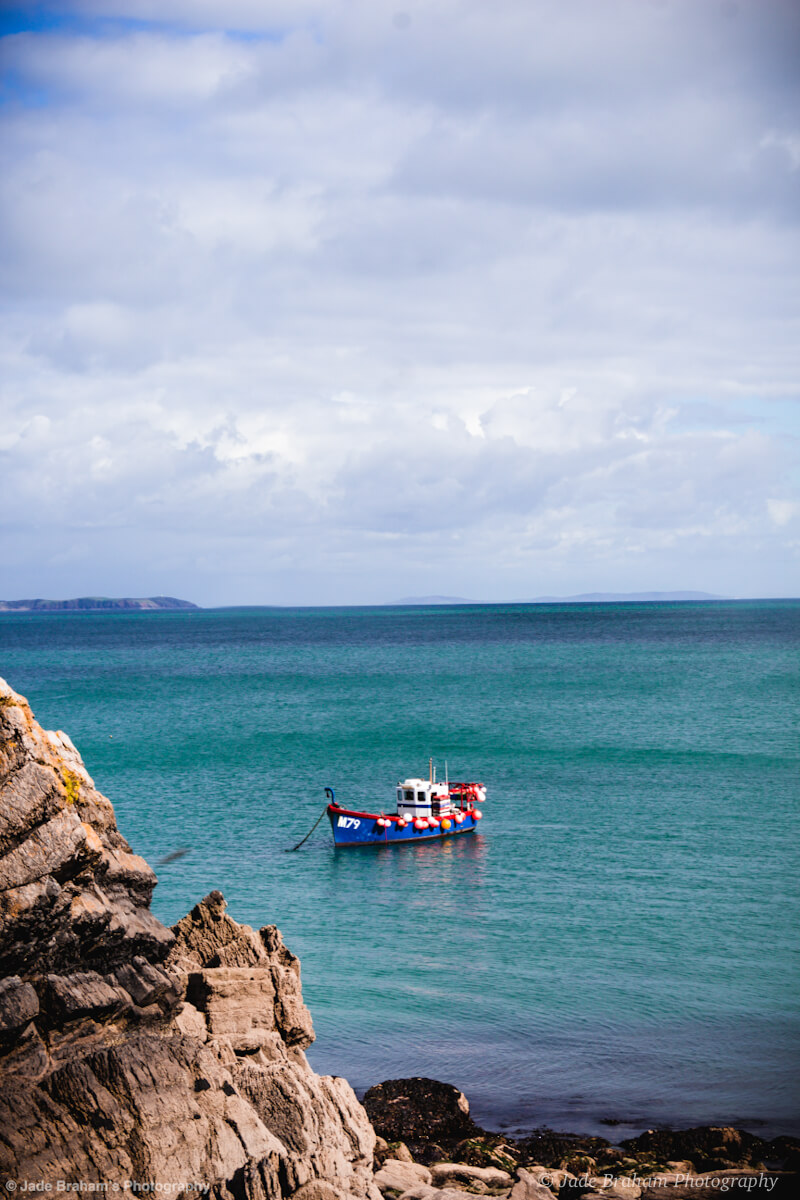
{"points": [[422, 798]]}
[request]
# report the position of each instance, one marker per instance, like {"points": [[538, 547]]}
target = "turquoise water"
{"points": [[618, 942]]}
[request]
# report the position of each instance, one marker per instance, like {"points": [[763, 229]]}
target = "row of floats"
{"points": [[431, 822]]}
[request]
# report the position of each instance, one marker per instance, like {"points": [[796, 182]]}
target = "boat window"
{"points": [[420, 797], [410, 797]]}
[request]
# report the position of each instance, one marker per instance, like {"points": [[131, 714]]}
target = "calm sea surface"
{"points": [[618, 942]]}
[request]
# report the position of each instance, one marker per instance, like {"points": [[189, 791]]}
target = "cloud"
{"points": [[298, 292]]}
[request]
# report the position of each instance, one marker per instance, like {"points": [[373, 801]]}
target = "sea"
{"points": [[615, 949]]}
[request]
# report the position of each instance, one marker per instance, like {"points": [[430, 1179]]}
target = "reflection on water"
{"points": [[451, 870]]}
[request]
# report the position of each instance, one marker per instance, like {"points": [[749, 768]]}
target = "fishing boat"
{"points": [[425, 810]]}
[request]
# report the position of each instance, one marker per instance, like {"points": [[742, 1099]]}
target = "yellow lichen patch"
{"points": [[73, 785]]}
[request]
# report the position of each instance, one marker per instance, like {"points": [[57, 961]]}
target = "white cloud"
{"points": [[782, 511], [482, 291]]}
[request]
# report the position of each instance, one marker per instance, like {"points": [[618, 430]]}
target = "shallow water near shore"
{"points": [[619, 940]]}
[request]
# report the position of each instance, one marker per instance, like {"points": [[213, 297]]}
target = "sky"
{"points": [[342, 301]]}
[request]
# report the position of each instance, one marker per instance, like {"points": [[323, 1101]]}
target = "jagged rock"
{"points": [[488, 1150], [445, 1173], [428, 1153], [567, 1151], [238, 977], [237, 1002], [623, 1188], [396, 1150], [147, 984], [72, 894], [19, 1004], [319, 1189], [707, 1147], [384, 1150], [208, 937], [397, 1175], [424, 1191], [550, 1177], [69, 997], [419, 1110], [528, 1187], [132, 1052]]}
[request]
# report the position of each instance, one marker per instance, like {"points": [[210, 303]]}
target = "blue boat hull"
{"points": [[362, 829]]}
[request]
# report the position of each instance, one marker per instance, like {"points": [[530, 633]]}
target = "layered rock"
{"points": [[135, 1055]]}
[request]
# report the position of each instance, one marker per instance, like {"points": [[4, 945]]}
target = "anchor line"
{"points": [[290, 849]]}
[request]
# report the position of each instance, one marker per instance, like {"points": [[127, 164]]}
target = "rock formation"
{"points": [[134, 1056]]}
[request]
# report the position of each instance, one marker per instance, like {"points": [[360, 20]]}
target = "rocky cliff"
{"points": [[134, 1056]]}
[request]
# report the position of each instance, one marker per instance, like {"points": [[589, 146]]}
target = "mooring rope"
{"points": [[290, 849]]}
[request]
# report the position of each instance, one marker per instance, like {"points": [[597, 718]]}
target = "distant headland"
{"points": [[583, 598], [621, 597], [95, 604]]}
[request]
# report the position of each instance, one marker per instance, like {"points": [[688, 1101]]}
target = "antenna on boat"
{"points": [[430, 770], [446, 776]]}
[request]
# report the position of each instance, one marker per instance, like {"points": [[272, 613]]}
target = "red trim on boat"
{"points": [[354, 812]]}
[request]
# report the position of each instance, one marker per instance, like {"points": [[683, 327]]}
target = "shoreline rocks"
{"points": [[563, 1162], [478, 1179]]}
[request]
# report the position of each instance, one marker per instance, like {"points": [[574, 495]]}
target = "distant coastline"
{"points": [[96, 604], [582, 598], [171, 603], [622, 597]]}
